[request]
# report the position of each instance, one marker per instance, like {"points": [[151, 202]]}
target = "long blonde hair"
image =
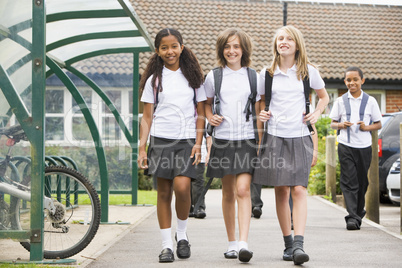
{"points": [[300, 56]]}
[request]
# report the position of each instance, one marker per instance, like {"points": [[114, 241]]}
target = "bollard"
{"points": [[373, 192], [330, 168], [400, 174]]}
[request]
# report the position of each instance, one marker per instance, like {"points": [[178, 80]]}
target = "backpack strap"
{"points": [[348, 111], [268, 95], [268, 89], [218, 75], [216, 108], [363, 105], [252, 78], [306, 86]]}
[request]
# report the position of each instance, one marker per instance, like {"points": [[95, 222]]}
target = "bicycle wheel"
{"points": [[76, 220]]}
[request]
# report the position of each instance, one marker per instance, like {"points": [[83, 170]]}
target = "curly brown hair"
{"points": [[188, 63]]}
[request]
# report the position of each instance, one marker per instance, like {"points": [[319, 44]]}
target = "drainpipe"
{"points": [[285, 13]]}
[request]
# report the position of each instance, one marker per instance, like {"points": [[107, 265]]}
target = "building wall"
{"points": [[394, 100]]}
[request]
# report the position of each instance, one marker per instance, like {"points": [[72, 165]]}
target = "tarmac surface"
{"points": [[136, 242]]}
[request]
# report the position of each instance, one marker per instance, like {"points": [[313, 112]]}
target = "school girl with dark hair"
{"points": [[173, 116]]}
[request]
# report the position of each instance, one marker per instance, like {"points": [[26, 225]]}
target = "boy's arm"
{"points": [[375, 126]]}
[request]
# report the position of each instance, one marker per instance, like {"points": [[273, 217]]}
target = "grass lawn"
{"points": [[144, 197]]}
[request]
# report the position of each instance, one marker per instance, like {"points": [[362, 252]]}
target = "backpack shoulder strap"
{"points": [[348, 111], [346, 103], [218, 76], [268, 89], [252, 78], [306, 86], [363, 105]]}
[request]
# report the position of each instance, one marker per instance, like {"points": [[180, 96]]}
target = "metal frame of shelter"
{"points": [[39, 38]]}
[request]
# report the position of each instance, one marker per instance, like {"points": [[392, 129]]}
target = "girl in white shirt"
{"points": [[289, 150], [233, 148], [174, 117]]}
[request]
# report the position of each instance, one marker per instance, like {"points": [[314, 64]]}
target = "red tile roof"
{"points": [[337, 36]]}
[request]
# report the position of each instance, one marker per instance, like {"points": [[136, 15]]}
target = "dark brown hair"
{"points": [[188, 63]]}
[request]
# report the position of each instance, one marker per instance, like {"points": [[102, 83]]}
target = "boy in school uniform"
{"points": [[354, 149]]}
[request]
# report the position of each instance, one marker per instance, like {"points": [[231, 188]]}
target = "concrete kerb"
{"points": [[116, 239], [365, 220]]}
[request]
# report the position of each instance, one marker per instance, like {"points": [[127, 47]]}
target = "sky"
{"points": [[375, 2]]}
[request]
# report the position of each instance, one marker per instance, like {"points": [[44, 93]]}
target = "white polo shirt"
{"points": [[174, 117], [288, 103], [372, 113], [234, 94]]}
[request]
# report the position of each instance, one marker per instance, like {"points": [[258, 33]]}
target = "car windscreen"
{"points": [[384, 120]]}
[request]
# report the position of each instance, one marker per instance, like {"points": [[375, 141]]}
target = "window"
{"points": [[332, 93], [54, 108], [65, 122]]}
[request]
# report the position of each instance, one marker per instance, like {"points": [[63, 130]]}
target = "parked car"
{"points": [[388, 149], [394, 182]]}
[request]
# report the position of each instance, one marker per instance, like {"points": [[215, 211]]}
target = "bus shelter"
{"points": [[40, 38]]}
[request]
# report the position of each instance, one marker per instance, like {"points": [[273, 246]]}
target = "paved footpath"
{"points": [[327, 241]]}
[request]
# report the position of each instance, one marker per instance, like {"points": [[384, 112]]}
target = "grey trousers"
{"points": [[197, 185], [255, 190], [355, 163]]}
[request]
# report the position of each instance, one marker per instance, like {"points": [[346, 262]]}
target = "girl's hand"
{"points": [[216, 120], [315, 158], [312, 117], [196, 151], [265, 116], [142, 160]]}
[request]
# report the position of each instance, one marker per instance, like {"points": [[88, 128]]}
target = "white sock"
{"points": [[233, 246], [243, 244], [167, 241], [181, 229]]}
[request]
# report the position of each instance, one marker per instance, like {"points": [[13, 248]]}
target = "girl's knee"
{"points": [[299, 192], [229, 196], [243, 192], [164, 196]]}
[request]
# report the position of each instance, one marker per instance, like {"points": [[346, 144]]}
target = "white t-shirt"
{"points": [[234, 94], [288, 103], [372, 113], [174, 117]]}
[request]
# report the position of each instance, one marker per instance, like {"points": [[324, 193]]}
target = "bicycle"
{"points": [[72, 209]]}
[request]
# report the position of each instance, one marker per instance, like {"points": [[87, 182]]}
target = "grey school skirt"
{"points": [[284, 161], [170, 158], [231, 157]]}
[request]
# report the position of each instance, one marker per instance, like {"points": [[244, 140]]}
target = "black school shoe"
{"points": [[256, 212], [288, 254], [183, 249], [200, 214], [245, 255], [299, 256], [166, 255], [352, 224], [231, 254]]}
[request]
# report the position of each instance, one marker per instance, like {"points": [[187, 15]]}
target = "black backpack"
{"points": [[268, 95], [252, 78]]}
